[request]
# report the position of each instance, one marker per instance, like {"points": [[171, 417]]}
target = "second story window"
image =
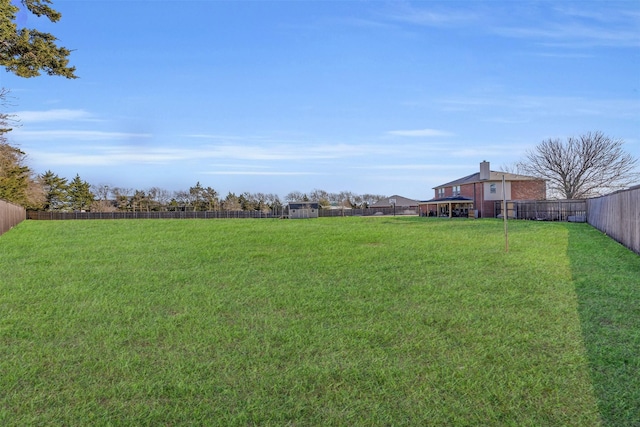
{"points": [[456, 190], [440, 192], [492, 188]]}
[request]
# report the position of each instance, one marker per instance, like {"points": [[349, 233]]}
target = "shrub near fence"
{"points": [[10, 216], [618, 215]]}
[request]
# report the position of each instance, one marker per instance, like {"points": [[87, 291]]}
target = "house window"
{"points": [[440, 192], [492, 188], [456, 190]]}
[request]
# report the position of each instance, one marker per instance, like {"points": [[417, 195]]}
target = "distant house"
{"points": [[398, 203], [299, 210], [477, 193]]}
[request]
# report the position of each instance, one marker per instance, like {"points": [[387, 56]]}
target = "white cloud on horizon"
{"points": [[78, 135], [101, 158], [104, 155], [51, 115]]}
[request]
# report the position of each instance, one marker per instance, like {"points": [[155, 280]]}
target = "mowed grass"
{"points": [[331, 321]]}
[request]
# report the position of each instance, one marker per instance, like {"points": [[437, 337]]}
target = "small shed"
{"points": [[299, 210]]}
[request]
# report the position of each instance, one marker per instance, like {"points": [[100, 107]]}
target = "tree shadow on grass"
{"points": [[607, 282]]}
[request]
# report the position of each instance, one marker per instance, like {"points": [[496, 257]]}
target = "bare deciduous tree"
{"points": [[585, 166], [370, 199], [295, 196], [159, 197]]}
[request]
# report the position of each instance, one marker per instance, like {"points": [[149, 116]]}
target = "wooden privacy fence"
{"points": [[618, 215], [279, 213], [44, 215], [398, 211], [10, 216]]}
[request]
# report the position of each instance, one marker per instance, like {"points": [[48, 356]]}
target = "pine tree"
{"points": [[80, 195], [27, 52], [55, 189], [14, 176]]}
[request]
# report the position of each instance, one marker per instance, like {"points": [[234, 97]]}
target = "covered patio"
{"points": [[453, 206]]}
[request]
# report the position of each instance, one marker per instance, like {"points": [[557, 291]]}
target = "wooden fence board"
{"points": [[10, 216], [618, 215]]}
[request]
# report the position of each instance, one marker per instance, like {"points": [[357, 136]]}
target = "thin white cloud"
{"points": [[550, 25], [103, 156], [420, 133], [562, 55], [575, 35], [78, 135], [410, 167], [522, 107], [564, 25], [273, 152], [228, 156], [432, 17], [263, 173], [52, 115]]}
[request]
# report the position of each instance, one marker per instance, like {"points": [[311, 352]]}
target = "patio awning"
{"points": [[444, 200], [450, 202]]}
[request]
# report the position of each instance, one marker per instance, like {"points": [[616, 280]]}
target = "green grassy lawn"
{"points": [[331, 321]]}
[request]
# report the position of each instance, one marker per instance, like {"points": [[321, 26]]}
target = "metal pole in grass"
{"points": [[504, 215]]}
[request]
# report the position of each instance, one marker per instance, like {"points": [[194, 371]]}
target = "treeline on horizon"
{"points": [[59, 194]]}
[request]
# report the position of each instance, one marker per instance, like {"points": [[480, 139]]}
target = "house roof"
{"points": [[493, 176], [400, 201]]}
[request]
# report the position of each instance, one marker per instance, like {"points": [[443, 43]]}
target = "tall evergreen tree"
{"points": [[55, 190], [14, 175], [210, 199], [28, 52], [80, 195]]}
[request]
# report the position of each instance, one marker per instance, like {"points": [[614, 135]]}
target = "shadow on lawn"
{"points": [[607, 282]]}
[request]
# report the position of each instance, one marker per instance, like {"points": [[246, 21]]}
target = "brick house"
{"points": [[479, 192]]}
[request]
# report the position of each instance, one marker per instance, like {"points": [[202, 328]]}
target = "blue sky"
{"points": [[365, 96]]}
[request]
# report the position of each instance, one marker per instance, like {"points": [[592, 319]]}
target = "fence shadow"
{"points": [[607, 283]]}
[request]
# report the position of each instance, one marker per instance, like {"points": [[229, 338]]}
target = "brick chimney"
{"points": [[484, 170]]}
